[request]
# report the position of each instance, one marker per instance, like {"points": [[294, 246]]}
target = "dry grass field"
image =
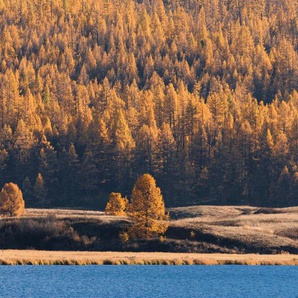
{"points": [[67, 214], [197, 229], [251, 226], [33, 257]]}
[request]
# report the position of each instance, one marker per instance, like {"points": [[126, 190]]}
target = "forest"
{"points": [[201, 94]]}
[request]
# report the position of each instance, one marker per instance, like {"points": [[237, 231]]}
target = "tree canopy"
{"points": [[11, 200], [202, 94], [147, 209], [116, 204]]}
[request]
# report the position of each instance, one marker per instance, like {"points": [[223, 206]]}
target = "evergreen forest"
{"points": [[201, 94]]}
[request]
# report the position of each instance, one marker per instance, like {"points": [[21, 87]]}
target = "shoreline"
{"points": [[40, 257]]}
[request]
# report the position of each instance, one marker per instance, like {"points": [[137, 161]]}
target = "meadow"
{"points": [[241, 228], [196, 229]]}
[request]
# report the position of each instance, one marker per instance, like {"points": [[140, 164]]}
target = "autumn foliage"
{"points": [[11, 200], [202, 94], [147, 209], [116, 204]]}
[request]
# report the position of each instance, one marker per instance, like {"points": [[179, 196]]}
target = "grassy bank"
{"points": [[32, 257]]}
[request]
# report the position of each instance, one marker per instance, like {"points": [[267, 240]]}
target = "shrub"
{"points": [[124, 237]]}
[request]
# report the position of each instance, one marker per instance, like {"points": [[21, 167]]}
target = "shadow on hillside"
{"points": [[94, 235]]}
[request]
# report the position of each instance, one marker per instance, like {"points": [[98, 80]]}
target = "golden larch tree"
{"points": [[116, 204], [40, 191], [147, 209], [11, 200]]}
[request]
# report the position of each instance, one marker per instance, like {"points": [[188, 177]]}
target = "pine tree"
{"points": [[48, 165], [27, 190], [11, 200], [40, 191], [73, 173], [116, 204], [124, 145], [147, 209], [122, 134], [3, 164], [89, 174]]}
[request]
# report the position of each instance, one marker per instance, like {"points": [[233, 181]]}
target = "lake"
{"points": [[148, 281]]}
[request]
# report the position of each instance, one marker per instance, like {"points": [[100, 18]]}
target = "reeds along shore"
{"points": [[29, 257]]}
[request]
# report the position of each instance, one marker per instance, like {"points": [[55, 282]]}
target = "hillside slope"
{"points": [[228, 229]]}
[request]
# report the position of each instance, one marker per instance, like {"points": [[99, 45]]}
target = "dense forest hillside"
{"points": [[199, 93]]}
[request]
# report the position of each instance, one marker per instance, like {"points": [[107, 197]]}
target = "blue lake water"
{"points": [[148, 281]]}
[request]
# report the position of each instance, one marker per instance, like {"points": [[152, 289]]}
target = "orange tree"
{"points": [[116, 204], [11, 200], [147, 209]]}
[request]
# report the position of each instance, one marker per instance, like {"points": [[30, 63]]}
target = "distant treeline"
{"points": [[200, 94]]}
